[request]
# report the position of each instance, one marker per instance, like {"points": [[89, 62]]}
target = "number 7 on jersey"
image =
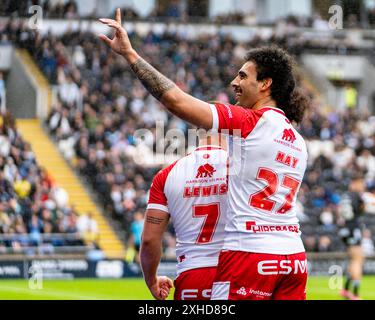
{"points": [[211, 214]]}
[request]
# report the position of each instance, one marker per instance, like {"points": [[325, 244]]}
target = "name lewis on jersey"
{"points": [[205, 191], [218, 186]]}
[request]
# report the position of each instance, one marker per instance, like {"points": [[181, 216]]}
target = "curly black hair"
{"points": [[275, 63]]}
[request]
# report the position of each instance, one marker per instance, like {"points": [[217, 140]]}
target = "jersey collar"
{"points": [[208, 147], [273, 108]]}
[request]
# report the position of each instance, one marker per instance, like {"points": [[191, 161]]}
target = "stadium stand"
{"points": [[35, 217], [100, 232], [92, 230], [91, 225], [101, 105], [173, 11]]}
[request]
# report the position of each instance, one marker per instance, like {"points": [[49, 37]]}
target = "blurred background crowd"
{"points": [[356, 15], [35, 215]]}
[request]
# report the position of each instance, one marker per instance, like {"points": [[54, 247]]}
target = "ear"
{"points": [[266, 84]]}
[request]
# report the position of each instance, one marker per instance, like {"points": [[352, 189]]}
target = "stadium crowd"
{"points": [[101, 106], [340, 144], [35, 216], [177, 11]]}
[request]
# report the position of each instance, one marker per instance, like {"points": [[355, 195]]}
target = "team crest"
{"points": [[205, 171], [288, 135]]}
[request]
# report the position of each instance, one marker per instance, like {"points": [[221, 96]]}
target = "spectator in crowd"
{"points": [[69, 91], [136, 229], [2, 92], [35, 229], [369, 200], [324, 244], [310, 243], [95, 253], [88, 228], [327, 220], [351, 94]]}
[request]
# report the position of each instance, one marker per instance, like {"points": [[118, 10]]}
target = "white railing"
{"points": [[42, 236], [44, 243], [44, 250]]}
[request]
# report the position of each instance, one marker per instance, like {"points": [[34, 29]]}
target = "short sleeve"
{"points": [[234, 119], [157, 199]]}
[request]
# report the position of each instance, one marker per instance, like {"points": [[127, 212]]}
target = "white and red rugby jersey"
{"points": [[266, 170], [193, 190]]}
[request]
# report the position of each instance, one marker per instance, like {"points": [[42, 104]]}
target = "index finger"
{"points": [[118, 15]]}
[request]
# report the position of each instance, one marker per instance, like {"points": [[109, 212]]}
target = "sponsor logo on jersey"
{"points": [[206, 180], [241, 291], [205, 171], [288, 135], [287, 139], [187, 294], [253, 227], [288, 144], [260, 293], [274, 267]]}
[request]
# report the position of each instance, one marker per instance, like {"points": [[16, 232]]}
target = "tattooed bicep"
{"points": [[156, 220]]}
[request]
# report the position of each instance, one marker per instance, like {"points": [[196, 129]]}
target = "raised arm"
{"points": [[166, 91]]}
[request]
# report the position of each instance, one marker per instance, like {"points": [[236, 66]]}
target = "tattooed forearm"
{"points": [[154, 220], [155, 83]]}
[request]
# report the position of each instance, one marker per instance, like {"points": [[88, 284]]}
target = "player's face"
{"points": [[245, 85]]}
